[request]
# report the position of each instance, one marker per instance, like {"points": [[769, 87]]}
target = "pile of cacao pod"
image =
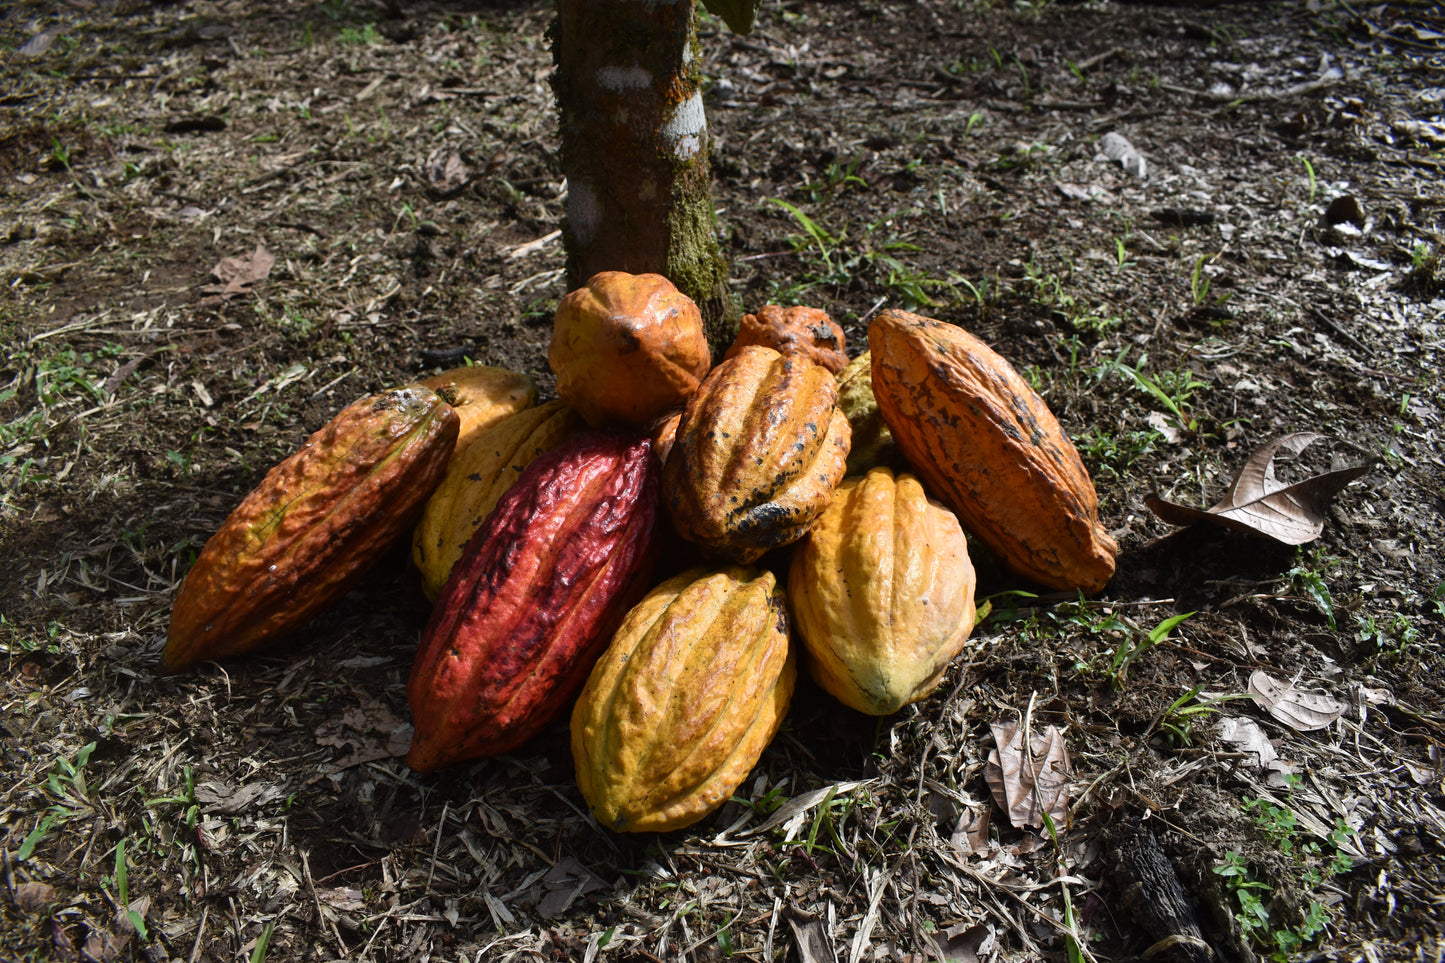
{"points": [[661, 545]]}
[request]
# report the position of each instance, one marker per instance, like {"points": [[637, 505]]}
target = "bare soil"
{"points": [[1276, 268]]}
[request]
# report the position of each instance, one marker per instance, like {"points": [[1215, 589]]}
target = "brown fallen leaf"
{"points": [[965, 943], [1026, 785], [446, 172], [34, 896], [237, 274], [810, 936], [1258, 503], [39, 44], [1300, 710]]}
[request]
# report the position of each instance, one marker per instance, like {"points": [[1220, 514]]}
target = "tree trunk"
{"points": [[635, 149]]}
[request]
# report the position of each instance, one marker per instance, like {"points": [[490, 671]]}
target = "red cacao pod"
{"points": [[534, 598]]}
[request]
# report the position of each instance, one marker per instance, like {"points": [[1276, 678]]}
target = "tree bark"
{"points": [[635, 149]]}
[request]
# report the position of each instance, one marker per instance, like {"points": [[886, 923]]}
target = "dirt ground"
{"points": [[1265, 261]]}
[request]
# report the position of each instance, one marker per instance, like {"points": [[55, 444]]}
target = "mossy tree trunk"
{"points": [[635, 149]]}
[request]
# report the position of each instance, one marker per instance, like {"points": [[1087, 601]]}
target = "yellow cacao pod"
{"points": [[476, 479], [757, 454], [989, 448], [677, 711], [872, 443], [482, 395], [881, 591]]}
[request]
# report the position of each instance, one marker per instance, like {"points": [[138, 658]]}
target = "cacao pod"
{"points": [[540, 589], [482, 395], [987, 446], [872, 443], [881, 590], [675, 714], [313, 526], [803, 331], [476, 478], [758, 452], [627, 347]]}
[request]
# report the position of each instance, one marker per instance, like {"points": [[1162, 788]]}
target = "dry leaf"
{"points": [[1025, 786], [812, 939], [33, 897], [237, 274], [964, 943], [446, 172], [970, 836], [1301, 711], [39, 44], [1246, 736], [217, 797], [1259, 504]]}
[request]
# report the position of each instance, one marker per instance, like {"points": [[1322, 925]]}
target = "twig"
{"points": [[1089, 63]]}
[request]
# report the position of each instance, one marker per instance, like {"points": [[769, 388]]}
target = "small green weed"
{"points": [[1175, 390], [1311, 583], [1312, 863], [1115, 452], [70, 794], [1199, 283], [1177, 721], [367, 36]]}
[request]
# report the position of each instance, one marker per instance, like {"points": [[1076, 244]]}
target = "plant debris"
{"points": [[1259, 504]]}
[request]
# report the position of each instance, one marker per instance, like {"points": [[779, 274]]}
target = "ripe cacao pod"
{"points": [[758, 452], [476, 478], [881, 590], [627, 347], [872, 443], [675, 714], [989, 448], [313, 527], [482, 395], [540, 589], [803, 331]]}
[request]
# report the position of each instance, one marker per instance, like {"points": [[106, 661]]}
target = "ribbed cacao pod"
{"points": [[677, 711], [476, 478], [758, 452], [881, 590], [988, 447], [538, 592], [808, 332], [627, 347], [313, 527], [482, 395], [872, 443]]}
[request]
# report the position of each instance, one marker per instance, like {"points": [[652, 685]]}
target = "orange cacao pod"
{"points": [[675, 714], [312, 528], [881, 591], [482, 395], [808, 332], [539, 590], [479, 473], [987, 445], [627, 347], [758, 451]]}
